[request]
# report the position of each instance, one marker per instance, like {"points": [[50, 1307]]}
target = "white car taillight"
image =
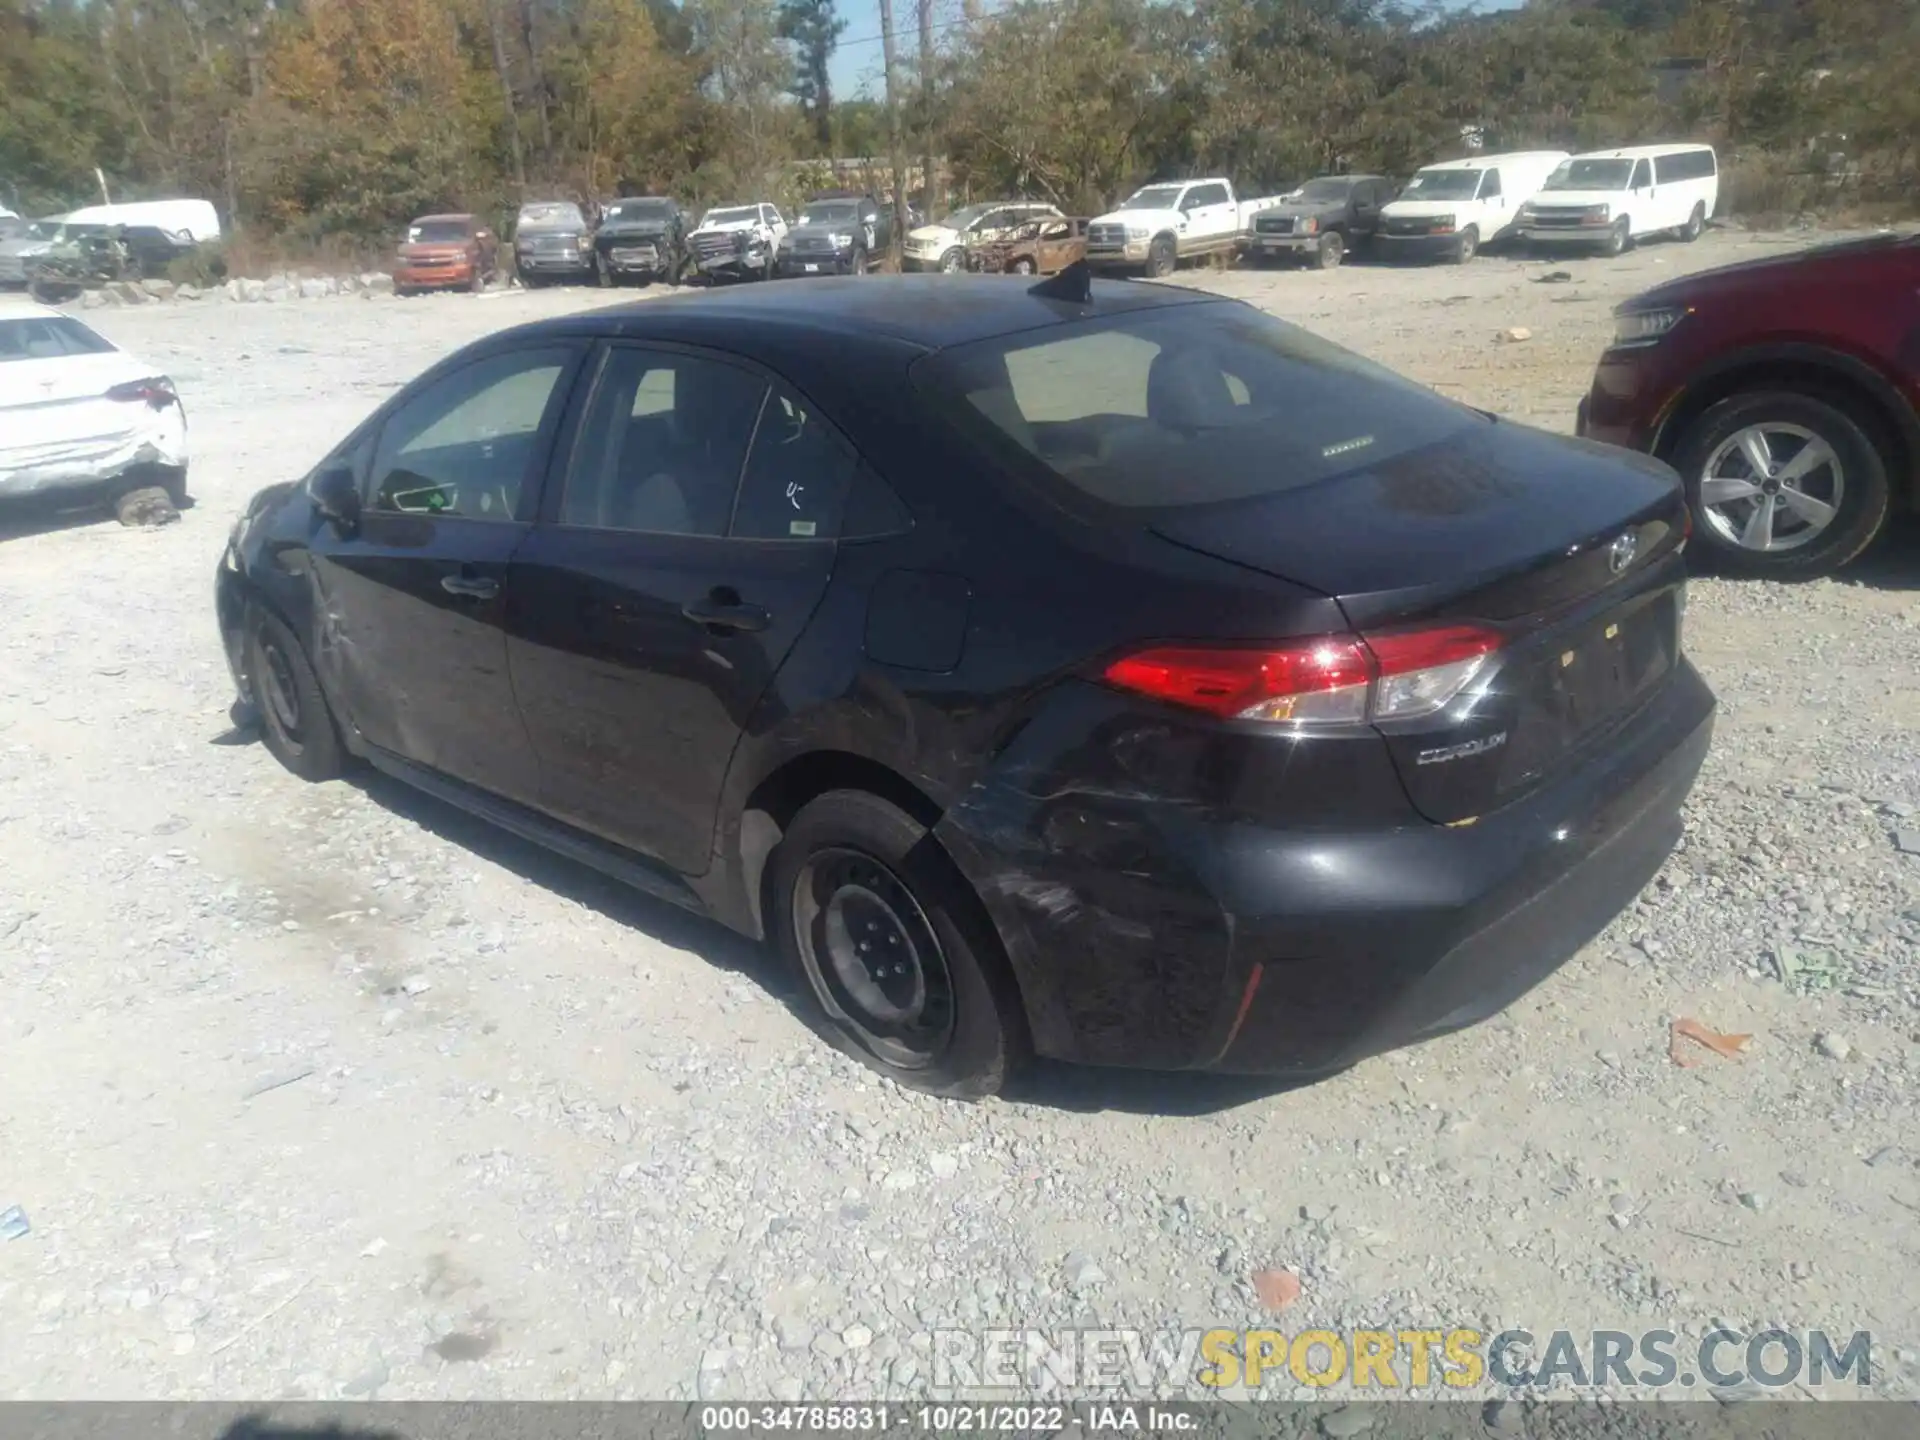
{"points": [[1340, 680], [156, 391]]}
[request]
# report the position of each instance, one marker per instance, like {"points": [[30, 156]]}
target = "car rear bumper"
{"points": [[1205, 943], [90, 462]]}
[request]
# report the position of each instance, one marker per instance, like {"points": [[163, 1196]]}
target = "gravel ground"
{"points": [[329, 1092]]}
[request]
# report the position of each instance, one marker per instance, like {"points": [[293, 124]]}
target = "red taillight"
{"points": [[1339, 679], [156, 391]]}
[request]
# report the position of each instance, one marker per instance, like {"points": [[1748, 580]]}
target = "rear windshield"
{"points": [[1183, 406], [47, 337]]}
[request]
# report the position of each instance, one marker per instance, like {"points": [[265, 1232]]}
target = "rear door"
{"points": [[412, 607], [682, 555]]}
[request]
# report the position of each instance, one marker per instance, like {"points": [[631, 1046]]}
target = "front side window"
{"points": [[1184, 405], [1207, 195], [463, 446], [1642, 175], [1489, 184], [661, 445]]}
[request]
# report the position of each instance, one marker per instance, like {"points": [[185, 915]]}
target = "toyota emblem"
{"points": [[1620, 554]]}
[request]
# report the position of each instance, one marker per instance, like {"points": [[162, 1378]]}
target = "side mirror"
{"points": [[337, 498]]}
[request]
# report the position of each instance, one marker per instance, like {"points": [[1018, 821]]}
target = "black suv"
{"points": [[641, 238], [841, 232], [1324, 218]]}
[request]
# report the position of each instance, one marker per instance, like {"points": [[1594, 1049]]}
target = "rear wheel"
{"points": [[1022, 266], [1696, 223], [894, 948], [1162, 257], [295, 721], [954, 261], [1467, 246], [1333, 249], [1783, 484]]}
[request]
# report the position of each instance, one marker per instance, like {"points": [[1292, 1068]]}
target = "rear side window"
{"points": [[1685, 165], [1207, 195], [796, 478], [48, 337], [1187, 405]]}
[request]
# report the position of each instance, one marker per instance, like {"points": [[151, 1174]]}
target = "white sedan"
{"points": [[79, 417]]}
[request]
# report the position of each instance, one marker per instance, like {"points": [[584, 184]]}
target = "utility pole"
{"points": [[928, 193], [890, 57]]}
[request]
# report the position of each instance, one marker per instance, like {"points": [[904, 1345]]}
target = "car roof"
{"points": [[1640, 152], [929, 311], [1481, 162], [423, 219]]}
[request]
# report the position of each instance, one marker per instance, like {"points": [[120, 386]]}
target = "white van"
{"points": [[195, 219], [1453, 208], [1612, 198]]}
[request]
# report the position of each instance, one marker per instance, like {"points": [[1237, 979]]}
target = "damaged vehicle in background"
{"points": [[1036, 247], [445, 252], [944, 246], [82, 421], [21, 243], [642, 238], [738, 242], [552, 240], [837, 235]]}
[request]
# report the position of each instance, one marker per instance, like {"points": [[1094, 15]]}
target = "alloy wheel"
{"points": [[873, 958], [1771, 487]]}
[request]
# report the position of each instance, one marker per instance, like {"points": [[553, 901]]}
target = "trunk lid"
{"points": [[1569, 550], [62, 400]]}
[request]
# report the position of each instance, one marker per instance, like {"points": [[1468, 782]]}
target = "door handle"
{"points": [[471, 587], [722, 609]]}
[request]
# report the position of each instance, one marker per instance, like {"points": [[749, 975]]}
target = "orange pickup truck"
{"points": [[445, 252]]}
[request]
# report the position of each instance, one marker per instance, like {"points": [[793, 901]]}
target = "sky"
{"points": [[856, 65]]}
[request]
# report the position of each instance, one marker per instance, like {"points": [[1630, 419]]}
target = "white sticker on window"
{"points": [[801, 527]]}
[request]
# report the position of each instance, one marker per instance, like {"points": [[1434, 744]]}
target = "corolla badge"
{"points": [[1620, 554]]}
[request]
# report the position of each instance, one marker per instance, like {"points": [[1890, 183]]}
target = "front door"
{"points": [[688, 545], [412, 607]]}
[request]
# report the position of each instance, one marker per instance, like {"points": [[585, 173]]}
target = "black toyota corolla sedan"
{"points": [[1107, 671]]}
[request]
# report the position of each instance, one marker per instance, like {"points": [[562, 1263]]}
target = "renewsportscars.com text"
{"points": [[1439, 1361]]}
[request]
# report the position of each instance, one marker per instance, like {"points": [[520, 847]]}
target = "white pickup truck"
{"points": [[1160, 225]]}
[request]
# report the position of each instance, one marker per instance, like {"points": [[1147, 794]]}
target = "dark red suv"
{"points": [[1785, 391]]}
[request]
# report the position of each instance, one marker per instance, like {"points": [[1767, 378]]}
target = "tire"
{"points": [[1467, 246], [1724, 521], [1696, 224], [603, 274], [1333, 249], [296, 722], [1162, 257], [953, 262], [864, 866], [1619, 237], [1022, 266], [858, 265]]}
